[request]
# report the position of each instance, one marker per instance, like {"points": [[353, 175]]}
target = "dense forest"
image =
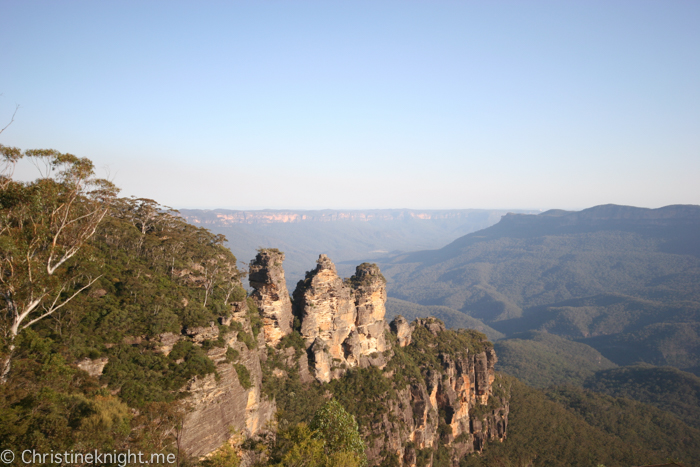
{"points": [[620, 279], [91, 277]]}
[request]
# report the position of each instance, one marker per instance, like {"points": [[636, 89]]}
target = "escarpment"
{"points": [[231, 399], [416, 389], [342, 322], [447, 396]]}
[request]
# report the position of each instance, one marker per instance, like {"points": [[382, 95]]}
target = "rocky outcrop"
{"points": [[402, 330], [370, 298], [443, 388], [93, 367], [342, 322], [270, 294], [167, 341], [230, 401], [202, 333], [457, 403]]}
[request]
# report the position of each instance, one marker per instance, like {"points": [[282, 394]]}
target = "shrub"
{"points": [[243, 375]]}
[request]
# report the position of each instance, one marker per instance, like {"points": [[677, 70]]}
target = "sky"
{"points": [[363, 104]]}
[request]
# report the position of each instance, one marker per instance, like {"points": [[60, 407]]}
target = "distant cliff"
{"points": [[225, 217], [348, 236]]}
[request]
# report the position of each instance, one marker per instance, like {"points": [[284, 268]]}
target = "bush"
{"points": [[243, 375], [339, 431]]}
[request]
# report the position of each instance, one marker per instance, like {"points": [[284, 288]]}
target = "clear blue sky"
{"points": [[364, 104]]}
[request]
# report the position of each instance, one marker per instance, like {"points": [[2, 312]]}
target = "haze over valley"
{"points": [[350, 234], [345, 235]]}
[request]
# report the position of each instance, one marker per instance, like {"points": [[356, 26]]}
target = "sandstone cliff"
{"points": [[227, 217], [230, 400], [453, 399], [266, 277], [342, 322], [432, 390]]}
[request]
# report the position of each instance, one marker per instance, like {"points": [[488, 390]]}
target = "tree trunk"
{"points": [[7, 365]]}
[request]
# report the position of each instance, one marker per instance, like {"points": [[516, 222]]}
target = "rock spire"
{"points": [[342, 322], [271, 296]]}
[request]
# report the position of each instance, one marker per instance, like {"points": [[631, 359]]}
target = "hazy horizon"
{"points": [[364, 105]]}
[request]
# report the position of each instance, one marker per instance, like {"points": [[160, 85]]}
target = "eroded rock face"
{"points": [[271, 297], [217, 407], [167, 341], [453, 398], [400, 327], [342, 323], [455, 394], [370, 298]]}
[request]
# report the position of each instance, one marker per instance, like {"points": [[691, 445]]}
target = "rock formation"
{"points": [[400, 327], [454, 403], [444, 391], [266, 276], [219, 405], [93, 367], [342, 323]]}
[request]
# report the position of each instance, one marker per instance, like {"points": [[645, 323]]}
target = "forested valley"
{"points": [[117, 314]]}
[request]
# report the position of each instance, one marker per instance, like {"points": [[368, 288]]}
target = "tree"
{"points": [[340, 433], [43, 226], [305, 450]]}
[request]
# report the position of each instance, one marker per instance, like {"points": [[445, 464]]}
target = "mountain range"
{"points": [[344, 235], [623, 280]]}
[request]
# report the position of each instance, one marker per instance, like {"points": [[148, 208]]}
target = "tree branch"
{"points": [[53, 308], [11, 120]]}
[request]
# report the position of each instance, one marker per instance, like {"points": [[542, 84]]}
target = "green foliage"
{"points": [[339, 431], [45, 226], [51, 405], [302, 448], [238, 294], [296, 401], [144, 377], [635, 423], [225, 456], [542, 432], [501, 392], [666, 388], [294, 340], [115, 275], [243, 336], [254, 317], [425, 352], [367, 391], [231, 354], [243, 375], [541, 359]]}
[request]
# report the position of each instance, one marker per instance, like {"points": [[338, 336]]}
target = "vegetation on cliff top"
{"points": [[143, 272], [131, 271], [666, 388]]}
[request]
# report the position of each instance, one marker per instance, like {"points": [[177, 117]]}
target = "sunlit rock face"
{"points": [[219, 404], [451, 399], [342, 322], [400, 327], [455, 393], [266, 277]]}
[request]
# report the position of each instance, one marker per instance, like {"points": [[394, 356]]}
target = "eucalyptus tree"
{"points": [[43, 226]]}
